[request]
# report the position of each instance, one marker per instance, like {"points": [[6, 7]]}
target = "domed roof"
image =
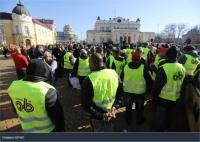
{"points": [[68, 27], [20, 9]]}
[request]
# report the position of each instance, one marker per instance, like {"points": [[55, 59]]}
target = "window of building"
{"points": [[129, 39], [27, 32], [1, 29], [101, 39], [101, 28], [2, 34], [121, 39], [17, 29], [107, 29]]}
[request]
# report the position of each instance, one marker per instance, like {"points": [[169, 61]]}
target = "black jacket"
{"points": [[32, 53], [59, 54], [87, 93]]}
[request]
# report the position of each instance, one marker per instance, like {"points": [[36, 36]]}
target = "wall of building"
{"points": [[24, 23], [43, 35], [146, 36], [98, 37], [109, 25], [118, 30], [6, 27], [22, 28]]}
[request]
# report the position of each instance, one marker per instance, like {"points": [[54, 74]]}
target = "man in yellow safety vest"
{"points": [[69, 61], [99, 94], [160, 59], [190, 60], [81, 66], [137, 80], [167, 90], [36, 102], [118, 62]]}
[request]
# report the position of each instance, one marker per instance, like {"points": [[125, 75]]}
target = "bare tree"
{"points": [[170, 32], [181, 29], [158, 39]]}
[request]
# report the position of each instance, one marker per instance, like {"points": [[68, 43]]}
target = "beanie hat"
{"points": [[83, 53], [116, 49], [70, 48], [136, 55], [163, 48], [38, 68], [172, 53], [188, 48]]}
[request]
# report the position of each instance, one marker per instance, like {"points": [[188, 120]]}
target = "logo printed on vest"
{"points": [[178, 76], [194, 61], [24, 105]]}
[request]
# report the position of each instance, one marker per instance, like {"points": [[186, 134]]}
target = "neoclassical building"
{"points": [[66, 35], [19, 28], [118, 30]]}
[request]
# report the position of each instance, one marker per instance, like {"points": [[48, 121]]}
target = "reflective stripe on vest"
{"points": [[119, 66], [134, 81], [105, 102], [175, 73], [105, 84], [191, 64], [67, 64], [30, 105], [37, 129], [83, 67], [30, 119]]}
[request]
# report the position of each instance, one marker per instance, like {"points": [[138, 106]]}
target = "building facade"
{"points": [[67, 35], [118, 30], [19, 28]]}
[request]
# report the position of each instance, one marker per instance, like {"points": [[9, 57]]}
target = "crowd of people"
{"points": [[111, 76]]}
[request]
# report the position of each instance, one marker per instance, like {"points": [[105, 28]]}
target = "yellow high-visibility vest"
{"points": [[175, 73], [67, 64], [105, 83], [191, 64], [134, 81], [83, 67], [29, 101]]}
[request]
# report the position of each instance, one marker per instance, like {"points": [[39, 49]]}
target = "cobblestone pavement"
{"points": [[76, 120]]}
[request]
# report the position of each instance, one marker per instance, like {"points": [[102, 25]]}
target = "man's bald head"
{"points": [[96, 61]]}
